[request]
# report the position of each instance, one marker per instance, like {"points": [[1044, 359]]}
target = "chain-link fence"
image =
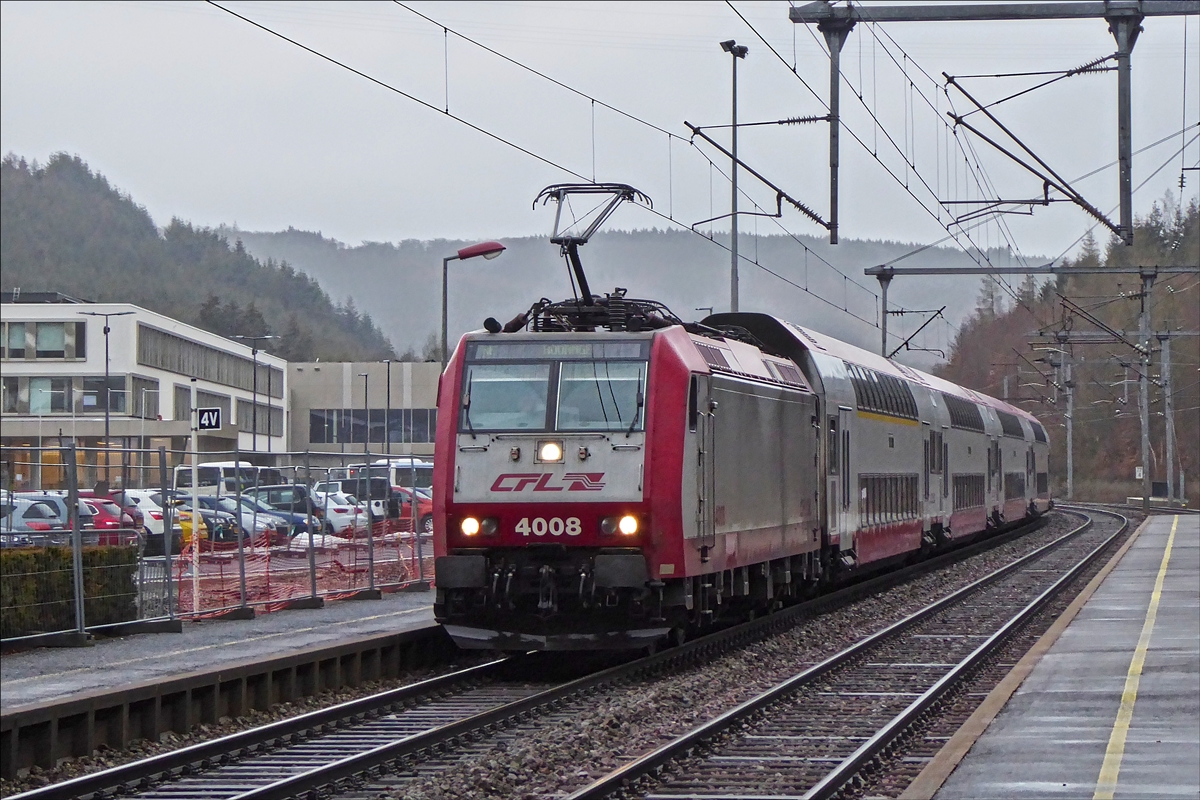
{"points": [[167, 536]]}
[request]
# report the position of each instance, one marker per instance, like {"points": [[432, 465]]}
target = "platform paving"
{"points": [[47, 674], [1056, 735]]}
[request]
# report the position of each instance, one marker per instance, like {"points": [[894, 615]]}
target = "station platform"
{"points": [[56, 674], [1111, 709]]}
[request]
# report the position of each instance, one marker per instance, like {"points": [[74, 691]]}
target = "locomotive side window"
{"points": [[505, 397], [601, 395], [693, 405]]}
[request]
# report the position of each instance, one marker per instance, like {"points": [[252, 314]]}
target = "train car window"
{"points": [[601, 395], [504, 397], [1010, 425], [833, 457], [945, 469], [1039, 433], [693, 405], [928, 469], [963, 413]]}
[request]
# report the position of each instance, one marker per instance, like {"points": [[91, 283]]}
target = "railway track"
{"points": [[815, 734], [408, 731]]}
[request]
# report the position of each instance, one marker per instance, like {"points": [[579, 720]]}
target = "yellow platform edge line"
{"points": [[1106, 784]]}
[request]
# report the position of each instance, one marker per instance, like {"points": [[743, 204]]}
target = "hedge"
{"points": [[37, 593]]}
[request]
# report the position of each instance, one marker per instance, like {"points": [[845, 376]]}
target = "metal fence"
{"points": [[247, 555]]}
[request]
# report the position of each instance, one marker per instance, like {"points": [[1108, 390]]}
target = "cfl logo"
{"points": [[540, 482]]}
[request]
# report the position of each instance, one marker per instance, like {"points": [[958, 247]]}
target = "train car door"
{"points": [[847, 519], [706, 411]]}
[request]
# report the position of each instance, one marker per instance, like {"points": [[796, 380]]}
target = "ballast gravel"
{"points": [[560, 753]]}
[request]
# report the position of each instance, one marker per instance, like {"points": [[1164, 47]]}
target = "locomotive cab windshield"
{"points": [[564, 386]]}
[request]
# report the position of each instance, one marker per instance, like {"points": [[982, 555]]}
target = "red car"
{"points": [[424, 508], [113, 525], [126, 505]]}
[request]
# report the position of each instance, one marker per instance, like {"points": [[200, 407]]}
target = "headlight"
{"points": [[550, 451], [627, 525], [489, 526], [470, 526]]}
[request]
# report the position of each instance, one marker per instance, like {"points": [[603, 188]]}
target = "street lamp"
{"points": [[737, 51], [488, 250], [366, 421], [106, 315], [254, 382], [387, 414]]}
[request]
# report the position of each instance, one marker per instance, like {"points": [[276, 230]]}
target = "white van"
{"points": [[223, 477]]}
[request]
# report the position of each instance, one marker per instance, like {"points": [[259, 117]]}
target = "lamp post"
{"points": [[737, 51], [387, 414], [488, 250], [106, 315], [366, 422], [254, 393]]}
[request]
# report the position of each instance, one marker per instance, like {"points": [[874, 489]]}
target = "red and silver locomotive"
{"points": [[607, 475]]}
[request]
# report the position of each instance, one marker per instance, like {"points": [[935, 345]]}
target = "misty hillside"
{"points": [[399, 285], [64, 228]]}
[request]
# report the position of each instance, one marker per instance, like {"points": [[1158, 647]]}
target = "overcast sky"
{"points": [[200, 115]]}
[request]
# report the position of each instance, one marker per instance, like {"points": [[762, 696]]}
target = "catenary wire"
{"points": [[552, 163]]}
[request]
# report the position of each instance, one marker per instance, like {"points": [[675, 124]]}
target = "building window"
{"points": [[15, 340], [51, 340], [270, 418], [183, 357], [183, 403], [145, 398], [94, 394], [43, 340], [350, 425], [11, 391], [49, 395]]}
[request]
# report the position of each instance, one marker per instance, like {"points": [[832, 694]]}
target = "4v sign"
{"points": [[209, 419]]}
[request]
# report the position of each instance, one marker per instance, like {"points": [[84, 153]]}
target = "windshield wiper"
{"points": [[466, 404], [637, 412]]}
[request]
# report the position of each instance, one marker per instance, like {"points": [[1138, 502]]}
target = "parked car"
{"points": [[127, 505], [59, 501], [294, 522], [294, 497], [218, 529], [24, 521], [424, 507], [273, 528], [149, 502], [113, 525], [343, 511]]}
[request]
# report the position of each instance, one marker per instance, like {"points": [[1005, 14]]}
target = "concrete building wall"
{"points": [[336, 414]]}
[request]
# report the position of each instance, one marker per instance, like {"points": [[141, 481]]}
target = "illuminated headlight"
{"points": [[550, 451], [470, 526], [627, 525]]}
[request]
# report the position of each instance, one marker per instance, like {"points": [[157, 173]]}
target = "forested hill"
{"points": [[65, 228], [995, 342], [400, 283]]}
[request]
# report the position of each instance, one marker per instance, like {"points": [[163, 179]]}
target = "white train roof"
{"points": [[819, 342]]}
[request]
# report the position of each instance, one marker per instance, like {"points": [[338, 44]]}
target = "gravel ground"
{"points": [[559, 753]]}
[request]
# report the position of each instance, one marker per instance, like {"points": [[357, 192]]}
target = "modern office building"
{"points": [[53, 353], [339, 410]]}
